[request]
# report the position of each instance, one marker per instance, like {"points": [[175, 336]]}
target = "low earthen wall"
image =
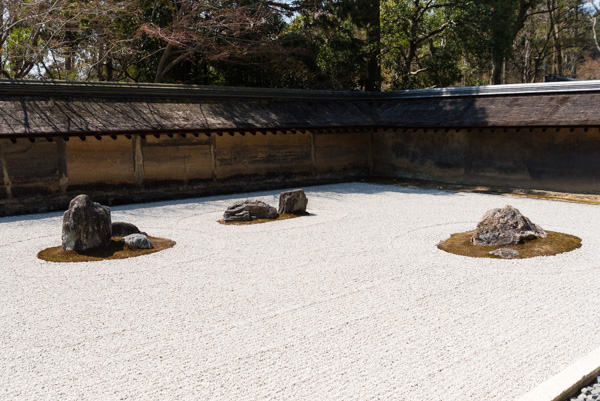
{"points": [[43, 175], [564, 160]]}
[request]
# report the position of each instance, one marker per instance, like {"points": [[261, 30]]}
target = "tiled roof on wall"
{"points": [[51, 108]]}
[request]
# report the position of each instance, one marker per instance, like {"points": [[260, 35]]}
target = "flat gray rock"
{"points": [[86, 225], [505, 226], [249, 210], [505, 253], [292, 202], [139, 241]]}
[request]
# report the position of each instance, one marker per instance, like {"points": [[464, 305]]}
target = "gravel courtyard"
{"points": [[353, 302]]}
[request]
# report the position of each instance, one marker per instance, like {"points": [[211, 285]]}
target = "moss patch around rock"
{"points": [[553, 244], [284, 216], [116, 250]]}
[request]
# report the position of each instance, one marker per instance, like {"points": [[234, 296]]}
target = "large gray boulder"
{"points": [[139, 241], [86, 225], [292, 202], [505, 226], [249, 210]]}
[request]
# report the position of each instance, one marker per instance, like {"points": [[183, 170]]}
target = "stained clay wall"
{"points": [[42, 175], [565, 160]]}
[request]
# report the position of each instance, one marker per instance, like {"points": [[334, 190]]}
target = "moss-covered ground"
{"points": [[284, 216], [116, 250], [553, 244]]}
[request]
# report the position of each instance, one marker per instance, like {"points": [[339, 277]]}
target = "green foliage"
{"points": [[325, 44], [417, 48]]}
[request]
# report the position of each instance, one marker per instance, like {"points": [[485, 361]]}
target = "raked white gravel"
{"points": [[353, 302]]}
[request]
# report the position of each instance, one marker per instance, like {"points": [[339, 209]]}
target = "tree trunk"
{"points": [[557, 67], [497, 63], [160, 70], [373, 28], [109, 69]]}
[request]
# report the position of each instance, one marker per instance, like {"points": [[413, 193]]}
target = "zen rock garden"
{"points": [[87, 231], [506, 233], [291, 203]]}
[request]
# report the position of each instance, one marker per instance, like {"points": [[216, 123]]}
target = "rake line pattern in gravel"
{"points": [[354, 302]]}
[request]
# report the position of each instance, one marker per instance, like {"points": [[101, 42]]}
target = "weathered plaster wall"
{"points": [[44, 175], [341, 152], [177, 160], [108, 162], [555, 159], [258, 156], [29, 168]]}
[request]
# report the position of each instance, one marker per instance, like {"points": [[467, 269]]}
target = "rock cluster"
{"points": [[505, 226], [86, 225], [292, 202], [249, 210]]}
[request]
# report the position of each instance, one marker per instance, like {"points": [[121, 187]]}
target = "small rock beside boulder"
{"points": [[249, 210], [505, 226], [505, 253], [86, 225], [121, 229], [138, 241], [292, 202]]}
